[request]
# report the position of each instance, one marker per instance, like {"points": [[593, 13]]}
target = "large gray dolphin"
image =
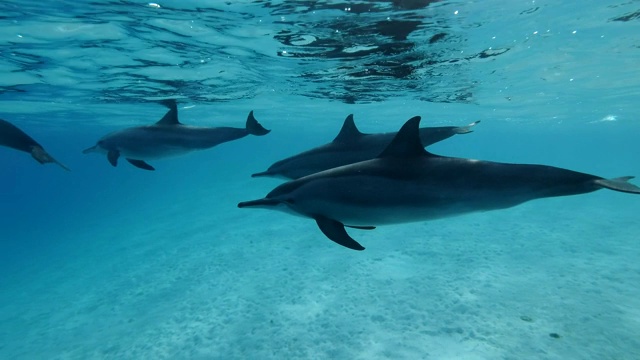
{"points": [[11, 136], [168, 137], [405, 183], [351, 146]]}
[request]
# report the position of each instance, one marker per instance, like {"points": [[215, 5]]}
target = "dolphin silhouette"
{"points": [[351, 146], [11, 136], [168, 137], [406, 183]]}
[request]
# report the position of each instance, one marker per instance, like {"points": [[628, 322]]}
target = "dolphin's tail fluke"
{"points": [[621, 184], [61, 165], [466, 129], [43, 157], [253, 126]]}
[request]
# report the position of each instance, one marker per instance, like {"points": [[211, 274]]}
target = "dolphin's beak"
{"points": [[90, 150], [260, 203], [260, 174]]}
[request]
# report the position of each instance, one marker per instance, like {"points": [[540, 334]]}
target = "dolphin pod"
{"points": [[406, 183], [358, 180], [351, 146], [11, 136], [168, 137]]}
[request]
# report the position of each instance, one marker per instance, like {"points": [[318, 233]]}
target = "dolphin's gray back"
{"points": [[326, 157], [386, 191], [331, 155], [156, 141], [339, 153], [199, 138]]}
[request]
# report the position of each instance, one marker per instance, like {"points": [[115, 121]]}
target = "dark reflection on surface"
{"points": [[352, 52]]}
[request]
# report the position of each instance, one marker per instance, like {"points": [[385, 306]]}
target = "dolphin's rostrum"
{"points": [[405, 183]]}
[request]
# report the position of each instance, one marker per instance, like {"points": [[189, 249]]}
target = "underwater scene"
{"points": [[289, 179]]}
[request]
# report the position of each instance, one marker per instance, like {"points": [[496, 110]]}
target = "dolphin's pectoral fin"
{"points": [[113, 156], [140, 164], [335, 231], [361, 227]]}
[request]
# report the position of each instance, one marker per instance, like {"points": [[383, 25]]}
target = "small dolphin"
{"points": [[351, 146], [11, 136], [405, 183], [168, 137]]}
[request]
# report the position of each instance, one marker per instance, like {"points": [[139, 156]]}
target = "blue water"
{"points": [[120, 263]]}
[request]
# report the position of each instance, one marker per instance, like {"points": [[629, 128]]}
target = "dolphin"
{"points": [[168, 137], [351, 146], [11, 136], [406, 183]]}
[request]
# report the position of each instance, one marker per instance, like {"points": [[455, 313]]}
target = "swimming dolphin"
{"points": [[11, 136], [405, 183], [168, 137], [351, 146]]}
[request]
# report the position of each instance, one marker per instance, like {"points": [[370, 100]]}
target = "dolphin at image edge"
{"points": [[351, 146], [168, 137], [405, 183], [11, 136]]}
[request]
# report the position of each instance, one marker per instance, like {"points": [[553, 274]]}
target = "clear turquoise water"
{"points": [[118, 263]]}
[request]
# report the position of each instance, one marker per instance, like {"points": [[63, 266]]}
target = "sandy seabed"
{"points": [[550, 279]]}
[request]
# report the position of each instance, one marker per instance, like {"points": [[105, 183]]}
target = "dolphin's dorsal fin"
{"points": [[407, 142], [349, 131], [171, 117]]}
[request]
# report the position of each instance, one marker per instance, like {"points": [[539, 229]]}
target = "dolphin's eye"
{"points": [[290, 201]]}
